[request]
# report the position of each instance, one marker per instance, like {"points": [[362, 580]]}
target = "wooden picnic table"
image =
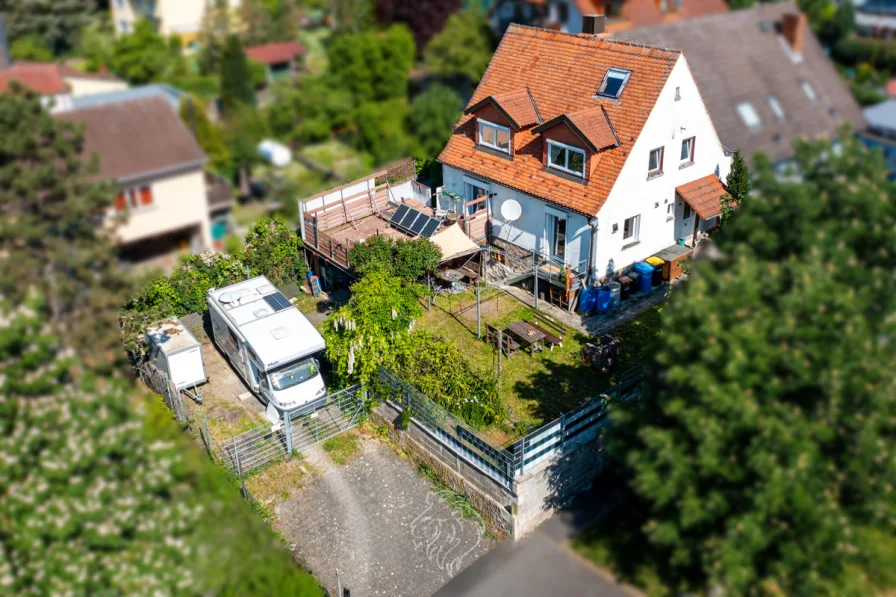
{"points": [[529, 334]]}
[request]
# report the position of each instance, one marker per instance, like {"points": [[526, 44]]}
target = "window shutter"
{"points": [[120, 203], [145, 196]]}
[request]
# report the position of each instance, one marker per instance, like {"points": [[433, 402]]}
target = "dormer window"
{"points": [[614, 82], [566, 158], [494, 136]]}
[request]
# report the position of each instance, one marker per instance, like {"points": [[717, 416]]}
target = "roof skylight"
{"points": [[776, 107], [749, 115], [614, 82], [809, 91]]}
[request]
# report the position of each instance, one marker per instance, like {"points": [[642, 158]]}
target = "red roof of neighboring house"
{"points": [[704, 195], [276, 53], [44, 79], [562, 72], [640, 13]]}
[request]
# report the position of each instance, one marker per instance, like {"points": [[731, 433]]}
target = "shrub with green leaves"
{"points": [[276, 251], [406, 259]]}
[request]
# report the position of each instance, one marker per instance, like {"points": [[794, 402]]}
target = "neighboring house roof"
{"points": [[882, 115], [41, 78], [276, 53], [166, 92], [562, 71], [46, 78], [517, 106], [704, 195], [641, 13], [136, 138], [739, 57]]}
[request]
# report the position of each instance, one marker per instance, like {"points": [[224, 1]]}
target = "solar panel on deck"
{"points": [[430, 228], [419, 223], [399, 214], [277, 301]]}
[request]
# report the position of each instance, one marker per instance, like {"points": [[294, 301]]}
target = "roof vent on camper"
{"points": [[227, 298], [265, 289], [280, 333], [259, 313]]}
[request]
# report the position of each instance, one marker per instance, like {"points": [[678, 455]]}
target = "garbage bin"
{"points": [[604, 296], [646, 272], [625, 289], [657, 264], [636, 282], [588, 300], [615, 294]]}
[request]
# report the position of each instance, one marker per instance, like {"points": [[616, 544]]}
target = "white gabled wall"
{"points": [[668, 125]]}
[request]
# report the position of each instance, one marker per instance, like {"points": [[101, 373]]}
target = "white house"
{"points": [[607, 146], [171, 17]]}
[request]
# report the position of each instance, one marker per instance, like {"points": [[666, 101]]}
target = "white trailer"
{"points": [[270, 344], [176, 352]]}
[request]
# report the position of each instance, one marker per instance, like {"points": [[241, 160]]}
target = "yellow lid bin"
{"points": [[655, 261]]}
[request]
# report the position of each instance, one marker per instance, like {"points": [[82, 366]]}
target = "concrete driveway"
{"points": [[378, 522]]}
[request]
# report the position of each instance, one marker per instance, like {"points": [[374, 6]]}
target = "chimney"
{"points": [[793, 27], [5, 60], [594, 24]]}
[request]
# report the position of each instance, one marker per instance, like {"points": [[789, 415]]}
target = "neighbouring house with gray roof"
{"points": [[764, 76], [168, 199], [170, 94]]}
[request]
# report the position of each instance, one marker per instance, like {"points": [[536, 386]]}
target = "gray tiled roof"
{"points": [[882, 115], [170, 94], [737, 57]]}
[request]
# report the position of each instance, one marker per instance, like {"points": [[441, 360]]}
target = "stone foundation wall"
{"points": [[490, 499]]}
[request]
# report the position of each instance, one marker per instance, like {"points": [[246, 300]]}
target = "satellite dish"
{"points": [[511, 210]]}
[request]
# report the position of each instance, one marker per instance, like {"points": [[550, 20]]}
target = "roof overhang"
{"points": [[567, 119], [490, 100], [704, 195]]}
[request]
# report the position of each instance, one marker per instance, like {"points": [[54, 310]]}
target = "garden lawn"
{"points": [[536, 389]]}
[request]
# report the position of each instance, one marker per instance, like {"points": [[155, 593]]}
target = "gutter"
{"points": [[592, 248], [183, 167]]}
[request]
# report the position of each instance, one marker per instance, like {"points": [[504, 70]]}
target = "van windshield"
{"points": [[293, 374]]}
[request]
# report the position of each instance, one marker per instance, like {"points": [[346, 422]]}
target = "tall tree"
{"points": [[373, 66], [56, 21], [424, 18], [760, 453], [194, 114], [237, 88], [738, 184], [50, 216], [144, 55], [463, 48], [432, 118]]}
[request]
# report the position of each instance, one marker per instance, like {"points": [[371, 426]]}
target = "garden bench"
{"points": [[509, 345], [553, 332]]}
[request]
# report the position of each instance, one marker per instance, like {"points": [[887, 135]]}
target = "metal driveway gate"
{"points": [[257, 447]]}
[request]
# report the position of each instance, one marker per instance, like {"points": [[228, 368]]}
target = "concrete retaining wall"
{"points": [[536, 495]]}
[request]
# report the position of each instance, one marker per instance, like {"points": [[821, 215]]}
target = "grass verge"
{"points": [[343, 448]]}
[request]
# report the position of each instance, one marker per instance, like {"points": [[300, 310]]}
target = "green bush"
{"points": [[406, 259], [854, 51], [274, 250]]}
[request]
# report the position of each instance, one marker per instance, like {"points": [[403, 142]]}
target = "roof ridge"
{"points": [[608, 43], [128, 100]]}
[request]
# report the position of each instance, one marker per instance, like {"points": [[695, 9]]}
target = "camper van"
{"points": [[270, 344]]}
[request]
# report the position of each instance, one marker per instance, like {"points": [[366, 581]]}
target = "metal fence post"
{"points": [[520, 448], [236, 455], [288, 430], [535, 271], [338, 584], [562, 429], [206, 436], [478, 312]]}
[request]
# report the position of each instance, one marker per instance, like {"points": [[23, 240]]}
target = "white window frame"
{"points": [[777, 109], [626, 76], [810, 92], [659, 161], [634, 229], [690, 143], [565, 168], [746, 111], [132, 198], [497, 127]]}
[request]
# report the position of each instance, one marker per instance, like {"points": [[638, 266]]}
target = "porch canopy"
{"points": [[453, 243], [704, 195]]}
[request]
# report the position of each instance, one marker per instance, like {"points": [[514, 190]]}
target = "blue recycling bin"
{"points": [[646, 271], [604, 296], [588, 301]]}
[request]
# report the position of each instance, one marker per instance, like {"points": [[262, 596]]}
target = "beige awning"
{"points": [[453, 242]]}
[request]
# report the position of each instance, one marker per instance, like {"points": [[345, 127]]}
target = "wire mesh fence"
{"points": [[297, 431], [157, 380], [506, 464]]}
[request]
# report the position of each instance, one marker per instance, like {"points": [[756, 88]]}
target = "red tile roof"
{"points": [[44, 79], [562, 72], [704, 196], [518, 106], [276, 53]]}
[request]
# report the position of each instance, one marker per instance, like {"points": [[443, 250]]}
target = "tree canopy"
{"points": [[424, 18], [57, 22], [760, 453], [237, 87], [406, 259], [144, 55], [373, 66], [432, 118], [209, 135], [463, 48], [31, 47]]}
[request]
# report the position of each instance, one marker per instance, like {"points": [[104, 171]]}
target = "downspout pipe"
{"points": [[592, 248]]}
